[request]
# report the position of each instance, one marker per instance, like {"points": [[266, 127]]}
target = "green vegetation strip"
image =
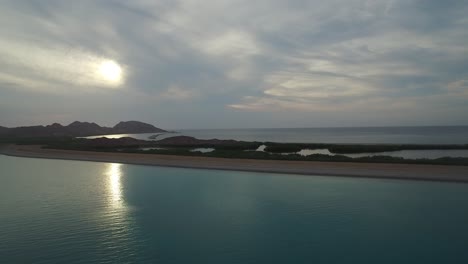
{"points": [[245, 150], [235, 154], [354, 148]]}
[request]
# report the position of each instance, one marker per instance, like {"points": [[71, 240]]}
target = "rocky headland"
{"points": [[78, 129]]}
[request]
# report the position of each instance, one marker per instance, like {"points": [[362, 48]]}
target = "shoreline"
{"points": [[443, 173]]}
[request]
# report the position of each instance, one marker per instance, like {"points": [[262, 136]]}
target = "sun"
{"points": [[110, 71]]}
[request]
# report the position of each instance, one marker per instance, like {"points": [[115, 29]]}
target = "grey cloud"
{"points": [[237, 58]]}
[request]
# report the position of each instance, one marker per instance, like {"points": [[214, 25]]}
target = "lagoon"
{"points": [[90, 212]]}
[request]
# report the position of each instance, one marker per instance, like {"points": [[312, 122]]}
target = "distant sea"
{"points": [[57, 211], [364, 135]]}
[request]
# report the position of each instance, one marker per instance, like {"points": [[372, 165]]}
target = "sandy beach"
{"points": [[345, 169]]}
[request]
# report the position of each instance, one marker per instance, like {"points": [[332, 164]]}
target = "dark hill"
{"points": [[78, 129], [83, 125], [86, 129], [3, 130], [135, 127]]}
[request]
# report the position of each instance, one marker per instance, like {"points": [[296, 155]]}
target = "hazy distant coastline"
{"points": [[77, 129]]}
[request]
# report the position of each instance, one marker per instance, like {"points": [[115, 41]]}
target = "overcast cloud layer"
{"points": [[242, 63]]}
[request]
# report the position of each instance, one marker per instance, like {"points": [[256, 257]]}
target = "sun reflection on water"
{"points": [[114, 172], [114, 218]]}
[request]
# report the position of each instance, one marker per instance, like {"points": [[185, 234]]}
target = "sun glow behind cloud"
{"points": [[38, 67], [110, 71]]}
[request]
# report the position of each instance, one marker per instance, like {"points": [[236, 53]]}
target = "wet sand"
{"points": [[345, 169]]}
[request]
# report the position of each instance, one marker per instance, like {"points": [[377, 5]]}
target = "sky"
{"points": [[234, 63]]}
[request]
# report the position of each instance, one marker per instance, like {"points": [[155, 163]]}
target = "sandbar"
{"points": [[343, 169]]}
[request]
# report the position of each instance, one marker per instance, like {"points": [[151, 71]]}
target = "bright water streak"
{"points": [[55, 211]]}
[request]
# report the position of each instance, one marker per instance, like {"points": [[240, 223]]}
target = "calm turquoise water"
{"points": [[81, 212]]}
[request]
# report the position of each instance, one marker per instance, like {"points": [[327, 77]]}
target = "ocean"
{"points": [[363, 135], [57, 211]]}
